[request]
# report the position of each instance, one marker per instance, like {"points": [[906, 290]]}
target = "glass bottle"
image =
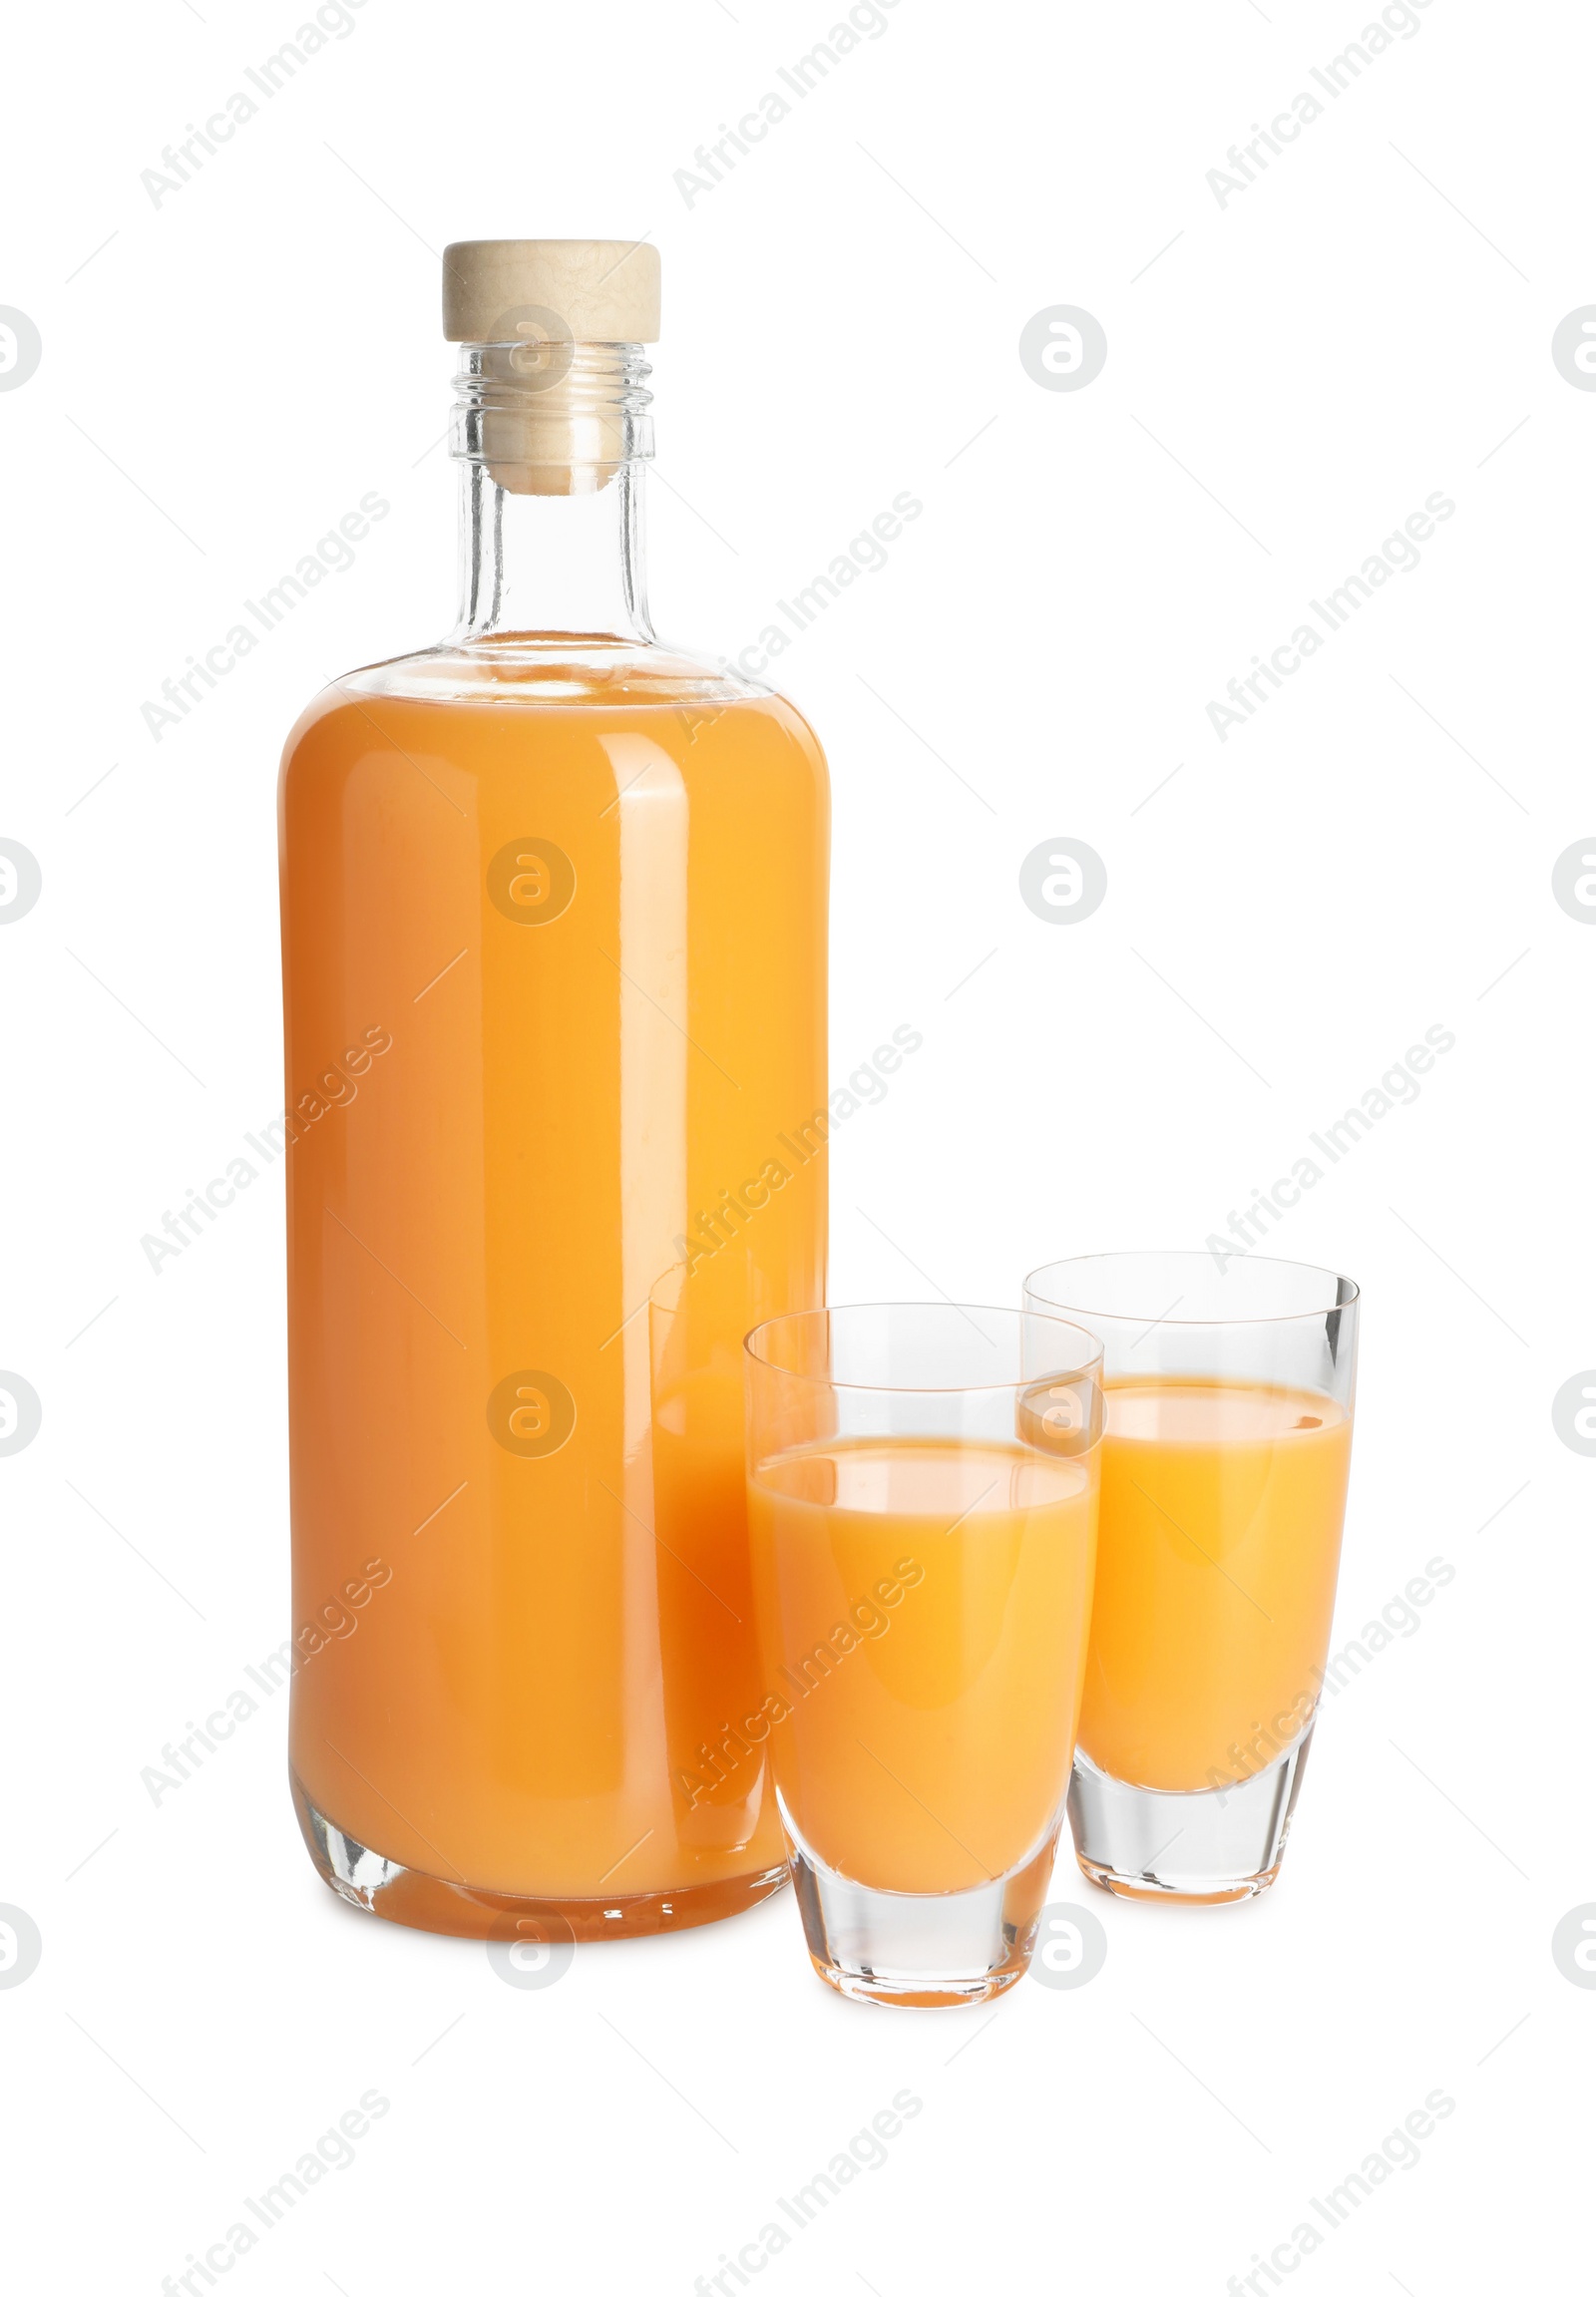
{"points": [[553, 916]]}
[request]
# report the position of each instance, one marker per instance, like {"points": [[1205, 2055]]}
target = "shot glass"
{"points": [[922, 1513], [1228, 1396]]}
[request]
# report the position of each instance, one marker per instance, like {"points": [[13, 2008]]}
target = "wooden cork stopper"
{"points": [[595, 291]]}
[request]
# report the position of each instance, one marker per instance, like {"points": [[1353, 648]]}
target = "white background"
{"points": [[1289, 376]]}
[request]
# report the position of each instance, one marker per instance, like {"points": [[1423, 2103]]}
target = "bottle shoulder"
{"points": [[526, 675], [532, 670]]}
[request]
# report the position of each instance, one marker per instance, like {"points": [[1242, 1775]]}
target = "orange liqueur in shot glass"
{"points": [[921, 1505], [1228, 1396]]}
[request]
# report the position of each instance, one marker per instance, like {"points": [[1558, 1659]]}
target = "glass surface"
{"points": [[921, 1507], [1228, 1391]]}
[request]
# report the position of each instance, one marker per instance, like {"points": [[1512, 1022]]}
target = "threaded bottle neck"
{"points": [[549, 415]]}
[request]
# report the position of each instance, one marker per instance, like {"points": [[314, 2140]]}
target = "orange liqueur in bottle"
{"points": [[554, 923]]}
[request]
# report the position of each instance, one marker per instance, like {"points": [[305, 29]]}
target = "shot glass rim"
{"points": [[1091, 1369], [1066, 1311]]}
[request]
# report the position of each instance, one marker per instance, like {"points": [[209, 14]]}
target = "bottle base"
{"points": [[1211, 1847], [420, 1901]]}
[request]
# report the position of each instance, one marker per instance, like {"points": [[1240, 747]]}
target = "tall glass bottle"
{"points": [[553, 912]]}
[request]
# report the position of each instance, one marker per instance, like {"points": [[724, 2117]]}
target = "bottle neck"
{"points": [[553, 565], [552, 439]]}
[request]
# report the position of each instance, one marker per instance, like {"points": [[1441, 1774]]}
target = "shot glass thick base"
{"points": [[919, 1951], [1206, 1848], [404, 1894]]}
